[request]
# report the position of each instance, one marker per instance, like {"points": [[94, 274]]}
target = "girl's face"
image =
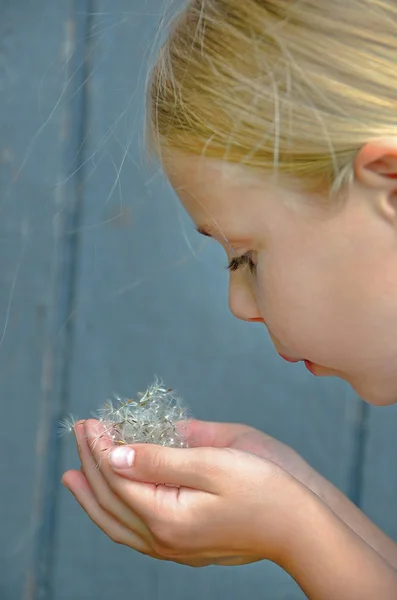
{"points": [[322, 280]]}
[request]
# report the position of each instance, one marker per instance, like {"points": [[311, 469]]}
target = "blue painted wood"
{"points": [[379, 496], [103, 285], [152, 299], [32, 56], [66, 252]]}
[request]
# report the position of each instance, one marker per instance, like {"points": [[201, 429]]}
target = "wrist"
{"points": [[303, 517], [316, 483], [306, 516], [356, 520], [294, 504], [329, 560]]}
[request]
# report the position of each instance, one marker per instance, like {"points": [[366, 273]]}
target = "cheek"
{"points": [[286, 299], [315, 313]]}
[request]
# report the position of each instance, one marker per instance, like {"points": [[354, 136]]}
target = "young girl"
{"points": [[276, 123]]}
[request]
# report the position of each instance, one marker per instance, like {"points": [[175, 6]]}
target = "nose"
{"points": [[242, 301]]}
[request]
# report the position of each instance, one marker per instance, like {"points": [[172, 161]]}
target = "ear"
{"points": [[375, 167]]}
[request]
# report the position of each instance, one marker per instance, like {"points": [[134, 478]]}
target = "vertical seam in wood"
{"points": [[58, 359], [360, 439]]}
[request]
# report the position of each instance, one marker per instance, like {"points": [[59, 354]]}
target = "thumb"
{"points": [[197, 468]]}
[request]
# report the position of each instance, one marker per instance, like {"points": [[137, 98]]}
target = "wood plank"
{"points": [[32, 56], [379, 497], [147, 304]]}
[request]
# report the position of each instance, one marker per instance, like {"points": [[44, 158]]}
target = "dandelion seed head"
{"points": [[157, 416]]}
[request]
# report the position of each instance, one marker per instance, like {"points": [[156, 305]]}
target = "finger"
{"points": [[78, 485], [196, 468], [141, 497], [209, 433], [105, 496]]}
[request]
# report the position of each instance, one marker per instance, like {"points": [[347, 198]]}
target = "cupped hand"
{"points": [[195, 506], [249, 439]]}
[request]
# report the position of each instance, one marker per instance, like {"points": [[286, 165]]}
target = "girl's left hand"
{"points": [[195, 506]]}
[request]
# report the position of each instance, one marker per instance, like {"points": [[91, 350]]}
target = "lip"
{"points": [[310, 367], [288, 359]]}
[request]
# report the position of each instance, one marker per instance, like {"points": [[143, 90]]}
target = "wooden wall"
{"points": [[104, 284]]}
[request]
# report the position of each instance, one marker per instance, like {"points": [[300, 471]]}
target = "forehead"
{"points": [[197, 175], [211, 190], [216, 192], [233, 203]]}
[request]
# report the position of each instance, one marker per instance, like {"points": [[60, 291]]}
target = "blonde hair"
{"points": [[293, 85]]}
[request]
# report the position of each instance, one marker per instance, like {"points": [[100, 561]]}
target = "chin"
{"points": [[376, 394]]}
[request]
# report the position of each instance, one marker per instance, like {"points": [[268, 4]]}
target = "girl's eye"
{"points": [[242, 261]]}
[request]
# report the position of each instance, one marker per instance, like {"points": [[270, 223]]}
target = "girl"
{"points": [[276, 123]]}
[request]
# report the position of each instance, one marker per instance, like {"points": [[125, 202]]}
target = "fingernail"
{"points": [[121, 458]]}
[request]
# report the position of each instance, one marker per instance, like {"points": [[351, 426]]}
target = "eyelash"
{"points": [[242, 261]]}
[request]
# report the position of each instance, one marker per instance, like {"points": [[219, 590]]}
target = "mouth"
{"points": [[309, 365], [290, 360]]}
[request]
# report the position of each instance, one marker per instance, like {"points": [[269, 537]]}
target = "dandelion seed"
{"points": [[66, 426]]}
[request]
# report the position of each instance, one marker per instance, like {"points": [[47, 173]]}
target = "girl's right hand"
{"points": [[249, 439]]}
